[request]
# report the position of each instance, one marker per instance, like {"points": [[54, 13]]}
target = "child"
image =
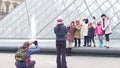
{"points": [[91, 34], [99, 33], [85, 32], [77, 33], [70, 37]]}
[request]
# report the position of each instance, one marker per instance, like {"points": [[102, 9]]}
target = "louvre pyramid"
{"points": [[17, 23]]}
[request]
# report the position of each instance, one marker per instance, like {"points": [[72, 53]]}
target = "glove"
{"points": [[35, 42]]}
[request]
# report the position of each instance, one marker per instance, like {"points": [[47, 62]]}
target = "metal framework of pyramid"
{"points": [[17, 23]]}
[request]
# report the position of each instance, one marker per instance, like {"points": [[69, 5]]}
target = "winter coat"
{"points": [[107, 27], [98, 30], [85, 30], [70, 34], [91, 32], [60, 35], [77, 30]]}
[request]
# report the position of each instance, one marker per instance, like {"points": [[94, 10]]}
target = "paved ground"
{"points": [[49, 61]]}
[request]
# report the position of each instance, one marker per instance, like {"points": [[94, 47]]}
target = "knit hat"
{"points": [[99, 23], [59, 21]]}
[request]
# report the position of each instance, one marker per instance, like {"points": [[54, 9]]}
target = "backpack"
{"points": [[20, 55]]}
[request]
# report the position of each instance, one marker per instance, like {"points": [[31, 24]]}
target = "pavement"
{"points": [[7, 60]]}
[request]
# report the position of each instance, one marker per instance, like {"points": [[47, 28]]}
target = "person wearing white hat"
{"points": [[60, 31]]}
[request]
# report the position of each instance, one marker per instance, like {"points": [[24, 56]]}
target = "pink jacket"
{"points": [[98, 30]]}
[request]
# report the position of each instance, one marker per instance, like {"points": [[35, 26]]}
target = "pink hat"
{"points": [[99, 23], [90, 23], [78, 21], [59, 21]]}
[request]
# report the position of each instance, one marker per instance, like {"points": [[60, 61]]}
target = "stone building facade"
{"points": [[6, 6]]}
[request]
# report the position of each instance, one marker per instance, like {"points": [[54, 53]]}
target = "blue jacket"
{"points": [[91, 32], [60, 35], [28, 54]]}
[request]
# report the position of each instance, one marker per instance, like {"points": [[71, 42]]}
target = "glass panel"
{"points": [[17, 23]]}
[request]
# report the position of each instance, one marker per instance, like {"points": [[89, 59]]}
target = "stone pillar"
{"points": [[3, 7], [11, 7]]}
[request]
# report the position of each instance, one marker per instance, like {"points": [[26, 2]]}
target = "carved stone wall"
{"points": [[6, 6]]}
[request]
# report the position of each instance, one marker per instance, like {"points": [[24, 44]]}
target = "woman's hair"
{"points": [[72, 22], [86, 21], [103, 15], [25, 45], [58, 27]]}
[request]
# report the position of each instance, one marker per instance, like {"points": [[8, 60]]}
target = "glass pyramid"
{"points": [[18, 23]]}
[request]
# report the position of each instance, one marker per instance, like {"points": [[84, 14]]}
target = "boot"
{"points": [[107, 44], [79, 42], [94, 44], [89, 44], [66, 51], [78, 45], [100, 43], [75, 42], [69, 51], [75, 45]]}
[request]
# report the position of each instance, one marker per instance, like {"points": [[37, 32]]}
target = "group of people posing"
{"points": [[65, 36], [90, 30]]}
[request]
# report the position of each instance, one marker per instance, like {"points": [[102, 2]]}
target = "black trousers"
{"points": [[61, 54], [79, 42], [86, 40]]}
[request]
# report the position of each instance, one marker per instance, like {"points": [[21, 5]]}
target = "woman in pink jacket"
{"points": [[99, 33]]}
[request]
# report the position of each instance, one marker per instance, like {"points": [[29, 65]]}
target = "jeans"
{"points": [[23, 64], [107, 37]]}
